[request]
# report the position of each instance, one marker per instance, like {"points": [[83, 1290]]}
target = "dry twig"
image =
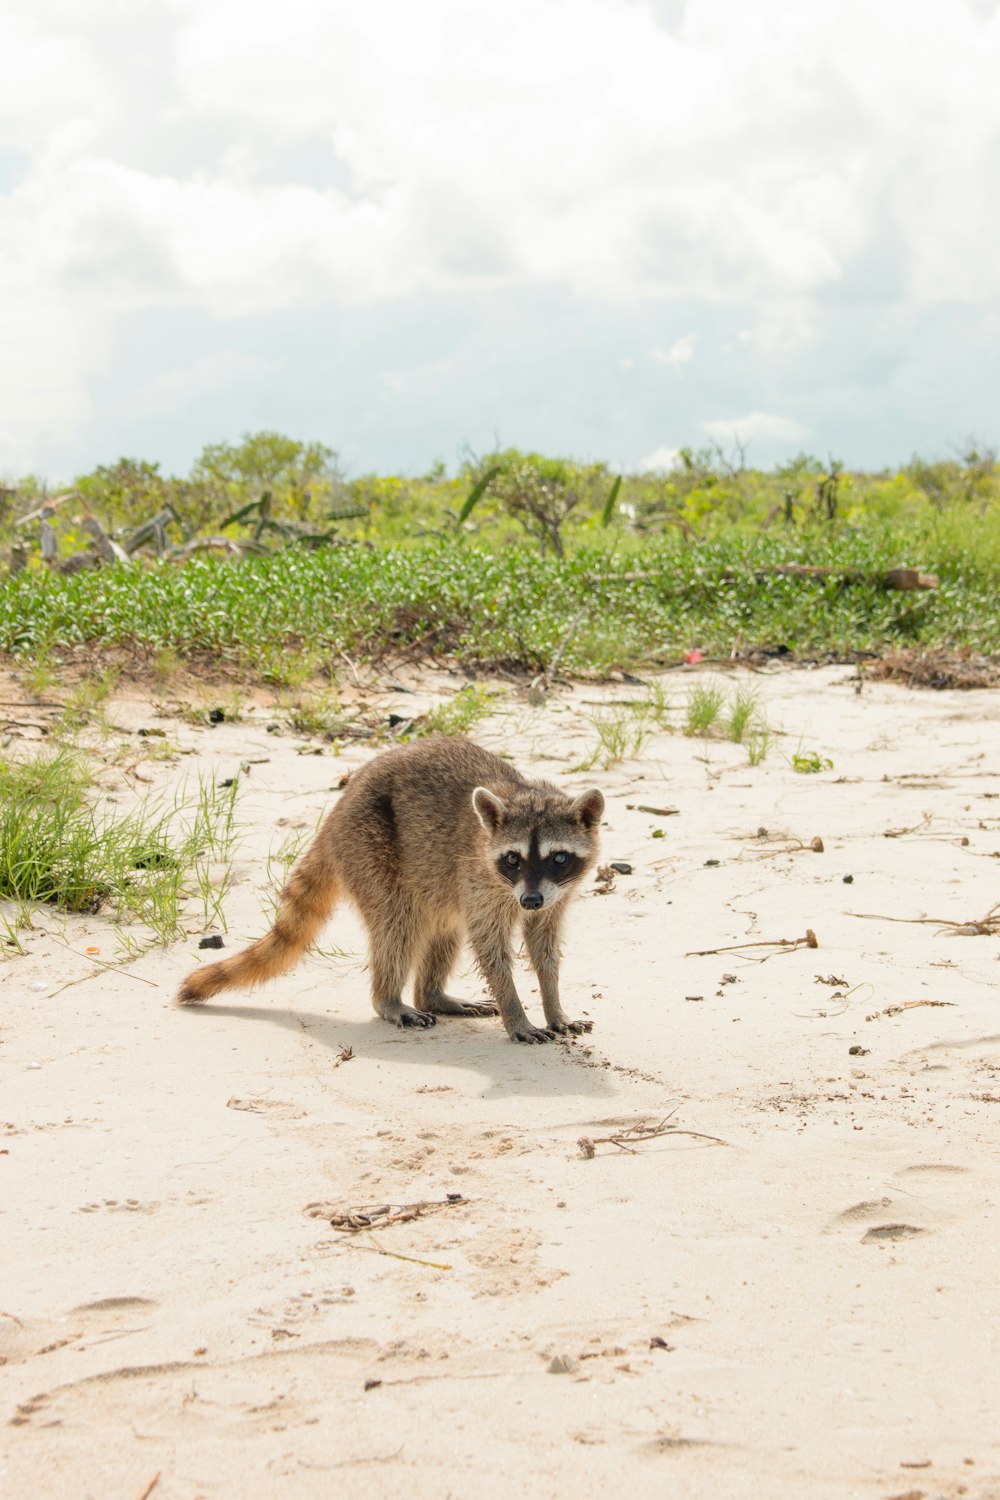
{"points": [[782, 945], [987, 926], [355, 1220], [638, 1135], [897, 1010]]}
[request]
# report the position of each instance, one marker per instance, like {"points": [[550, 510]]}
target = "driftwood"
{"points": [[107, 550], [153, 532], [45, 510], [892, 578]]}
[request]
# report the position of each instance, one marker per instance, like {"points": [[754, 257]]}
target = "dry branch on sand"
{"points": [[897, 1010], [988, 926], [638, 1135], [780, 945], [356, 1220]]}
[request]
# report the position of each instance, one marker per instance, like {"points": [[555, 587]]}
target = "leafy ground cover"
{"points": [[513, 608], [515, 562]]}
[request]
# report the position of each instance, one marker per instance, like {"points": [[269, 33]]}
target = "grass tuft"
{"points": [[460, 714], [59, 848], [704, 706]]}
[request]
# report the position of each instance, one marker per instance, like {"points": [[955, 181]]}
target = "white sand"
{"points": [[172, 1306]]}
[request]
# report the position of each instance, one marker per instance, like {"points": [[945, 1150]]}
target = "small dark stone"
{"points": [[216, 716], [848, 879], [395, 719], [229, 781], [859, 1051], [372, 1385], [622, 866], [214, 940], [274, 728], [710, 864], [657, 1343]]}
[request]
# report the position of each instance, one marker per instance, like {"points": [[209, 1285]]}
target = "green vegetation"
{"points": [[501, 566], [810, 762], [704, 706], [60, 848], [744, 715], [758, 742], [622, 732], [469, 705], [316, 714]]}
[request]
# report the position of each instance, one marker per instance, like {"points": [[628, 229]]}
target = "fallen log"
{"points": [[892, 578]]}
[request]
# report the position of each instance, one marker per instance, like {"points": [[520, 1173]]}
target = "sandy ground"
{"points": [[791, 1293]]}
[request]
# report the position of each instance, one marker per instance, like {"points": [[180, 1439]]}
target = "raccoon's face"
{"points": [[540, 843]]}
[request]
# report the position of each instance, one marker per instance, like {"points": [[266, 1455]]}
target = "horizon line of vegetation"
{"points": [[516, 558]]}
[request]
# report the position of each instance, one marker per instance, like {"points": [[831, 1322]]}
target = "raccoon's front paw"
{"points": [[406, 1016], [573, 1028], [529, 1033]]}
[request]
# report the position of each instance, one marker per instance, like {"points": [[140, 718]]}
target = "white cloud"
{"points": [[661, 459], [178, 387], [626, 153], [756, 426], [681, 351]]}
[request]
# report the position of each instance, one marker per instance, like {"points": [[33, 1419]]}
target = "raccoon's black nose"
{"points": [[532, 900]]}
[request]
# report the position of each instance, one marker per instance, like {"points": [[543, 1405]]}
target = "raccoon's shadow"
{"points": [[474, 1046]]}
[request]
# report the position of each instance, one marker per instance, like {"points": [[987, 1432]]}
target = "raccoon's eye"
{"points": [[512, 860], [560, 857]]}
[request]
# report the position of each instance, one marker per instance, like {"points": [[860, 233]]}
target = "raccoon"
{"points": [[435, 842]]}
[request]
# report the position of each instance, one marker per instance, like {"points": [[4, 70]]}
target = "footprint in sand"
{"points": [[275, 1109], [887, 1226], [932, 1169], [891, 1217], [90, 1323], [119, 1205]]}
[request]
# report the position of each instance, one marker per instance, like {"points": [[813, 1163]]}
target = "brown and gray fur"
{"points": [[435, 842]]}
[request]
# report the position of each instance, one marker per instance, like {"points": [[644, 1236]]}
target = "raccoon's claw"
{"points": [[438, 1004], [531, 1033], [575, 1028], [408, 1017]]}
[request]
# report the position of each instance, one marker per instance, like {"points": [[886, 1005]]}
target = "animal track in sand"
{"points": [[877, 1212], [929, 1169], [275, 1109], [119, 1205], [114, 1304], [259, 1386], [892, 1232], [90, 1323], [301, 1307], [864, 1210], [8, 1127]]}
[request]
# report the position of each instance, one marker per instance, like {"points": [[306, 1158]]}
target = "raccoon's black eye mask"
{"points": [[559, 865]]}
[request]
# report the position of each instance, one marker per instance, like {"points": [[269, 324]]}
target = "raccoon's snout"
{"points": [[532, 900]]}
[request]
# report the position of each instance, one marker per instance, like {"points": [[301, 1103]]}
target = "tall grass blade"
{"points": [[609, 505], [476, 494]]}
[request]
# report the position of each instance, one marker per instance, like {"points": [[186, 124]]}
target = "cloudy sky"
{"points": [[603, 228]]}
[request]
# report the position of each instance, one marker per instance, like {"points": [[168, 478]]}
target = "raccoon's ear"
{"points": [[488, 809], [589, 808]]}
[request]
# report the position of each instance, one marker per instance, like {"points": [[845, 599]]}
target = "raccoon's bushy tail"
{"points": [[306, 902]]}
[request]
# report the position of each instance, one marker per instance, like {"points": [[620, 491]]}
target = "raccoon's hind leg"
{"points": [[392, 937], [436, 962]]}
